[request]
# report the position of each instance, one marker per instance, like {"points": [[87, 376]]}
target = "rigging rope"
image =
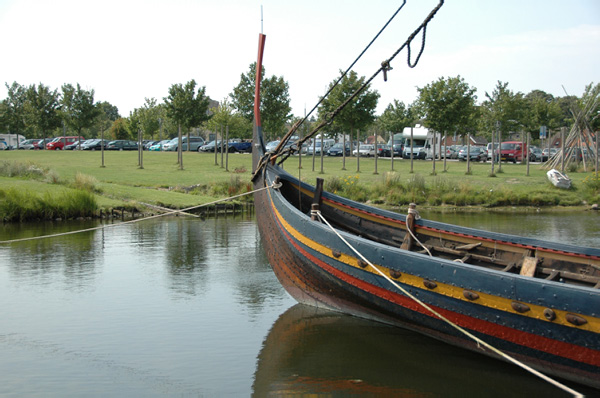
{"points": [[385, 67], [170, 212], [449, 322]]}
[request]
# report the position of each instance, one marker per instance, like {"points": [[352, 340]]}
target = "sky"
{"points": [[130, 50]]}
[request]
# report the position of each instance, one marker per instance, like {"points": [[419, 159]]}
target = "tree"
{"points": [[148, 116], [275, 107], [107, 114], [186, 106], [359, 113], [14, 108], [42, 109], [396, 117], [78, 108], [542, 110], [242, 97], [224, 115], [447, 105], [120, 129], [503, 109], [275, 100]]}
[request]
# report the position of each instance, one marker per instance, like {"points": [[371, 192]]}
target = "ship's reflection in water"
{"points": [[311, 352]]}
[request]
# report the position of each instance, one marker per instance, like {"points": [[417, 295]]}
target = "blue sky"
{"points": [[127, 50]]}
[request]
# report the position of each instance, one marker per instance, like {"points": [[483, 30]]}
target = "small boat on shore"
{"points": [[559, 179], [527, 301]]}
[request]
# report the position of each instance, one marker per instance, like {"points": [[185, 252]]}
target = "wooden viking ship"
{"points": [[536, 301]]}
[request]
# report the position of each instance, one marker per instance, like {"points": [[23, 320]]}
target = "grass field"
{"points": [[161, 182]]}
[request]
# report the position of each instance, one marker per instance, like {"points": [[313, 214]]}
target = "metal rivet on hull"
{"points": [[429, 284], [519, 307], [576, 319], [549, 314], [395, 274], [362, 263], [336, 253], [469, 295]]}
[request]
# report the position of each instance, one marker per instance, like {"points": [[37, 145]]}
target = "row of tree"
{"points": [[448, 105]]}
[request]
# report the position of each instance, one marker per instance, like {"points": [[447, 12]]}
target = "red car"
{"points": [[59, 142]]}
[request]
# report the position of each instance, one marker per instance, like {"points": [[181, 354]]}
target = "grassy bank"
{"points": [[122, 183]]}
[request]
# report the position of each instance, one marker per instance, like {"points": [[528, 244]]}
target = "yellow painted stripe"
{"points": [[486, 300]]}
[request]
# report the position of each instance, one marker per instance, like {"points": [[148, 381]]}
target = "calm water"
{"points": [[179, 307]]}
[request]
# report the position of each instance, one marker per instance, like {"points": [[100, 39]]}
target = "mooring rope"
{"points": [[417, 217], [449, 322], [182, 211]]}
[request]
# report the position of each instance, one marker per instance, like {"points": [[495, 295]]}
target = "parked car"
{"points": [[545, 153], [210, 147], [41, 144], [316, 146], [475, 153], [122, 145], [94, 145], [339, 150], [28, 144], [512, 151], [195, 143], [158, 146], [59, 143], [384, 150], [451, 152], [365, 150], [75, 145], [535, 154]]}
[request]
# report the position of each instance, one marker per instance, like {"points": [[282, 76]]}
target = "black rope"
{"points": [[346, 72], [385, 67]]}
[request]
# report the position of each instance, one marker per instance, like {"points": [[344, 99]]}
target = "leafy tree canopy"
{"points": [[396, 117], [186, 106], [274, 100], [359, 113], [447, 105], [77, 107], [224, 115]]}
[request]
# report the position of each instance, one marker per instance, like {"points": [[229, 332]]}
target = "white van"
{"points": [[422, 140], [11, 140]]}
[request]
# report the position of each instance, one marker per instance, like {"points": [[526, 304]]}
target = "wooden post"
{"points": [[227, 148], [562, 150], [357, 151], [434, 142], [469, 153], [141, 149], [322, 152], [527, 154], [597, 147], [392, 149], [411, 151], [410, 225], [344, 151], [445, 151], [376, 155], [102, 145], [216, 162], [179, 154], [222, 143]]}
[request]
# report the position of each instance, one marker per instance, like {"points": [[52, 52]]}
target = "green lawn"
{"points": [[161, 181]]}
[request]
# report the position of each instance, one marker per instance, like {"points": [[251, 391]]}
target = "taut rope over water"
{"points": [[449, 322], [182, 211]]}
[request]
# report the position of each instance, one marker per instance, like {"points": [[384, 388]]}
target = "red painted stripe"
{"points": [[530, 340]]}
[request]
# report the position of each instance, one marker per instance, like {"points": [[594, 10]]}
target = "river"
{"points": [[181, 307]]}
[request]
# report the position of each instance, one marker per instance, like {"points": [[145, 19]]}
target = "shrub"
{"points": [[85, 182]]}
